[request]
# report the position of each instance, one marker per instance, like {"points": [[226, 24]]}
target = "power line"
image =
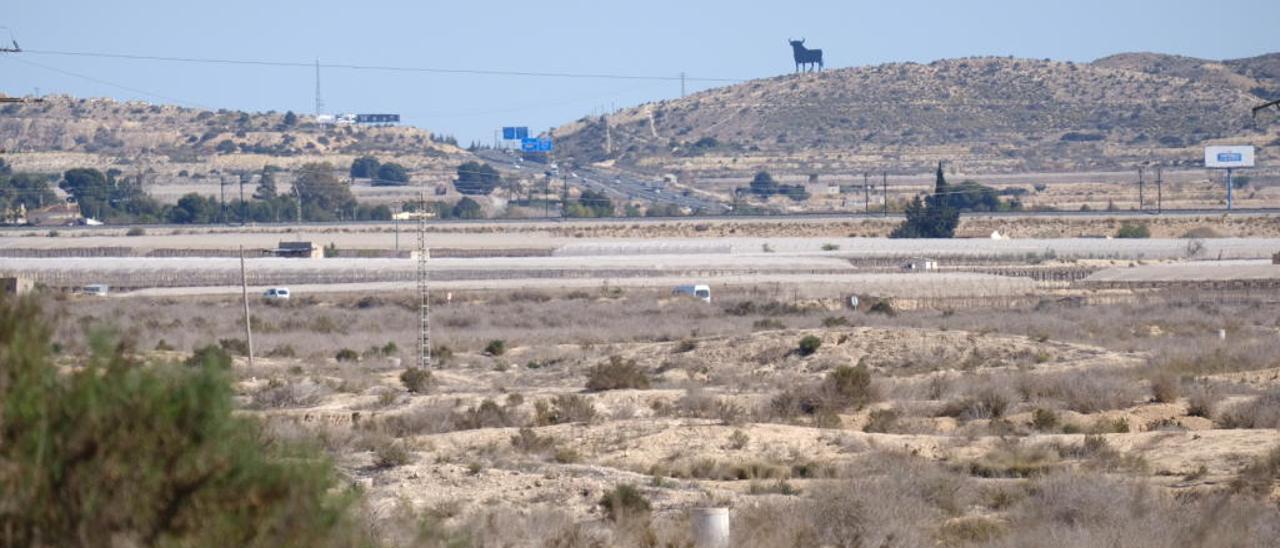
{"points": [[383, 68], [107, 83]]}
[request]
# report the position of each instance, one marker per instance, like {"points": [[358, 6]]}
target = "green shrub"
{"points": [[739, 439], [808, 345], [496, 347], [623, 502], [136, 231], [347, 355], [390, 348], [835, 321], [416, 380], [562, 409], [235, 346], [1044, 420], [883, 306], [617, 374], [210, 356], [391, 454], [146, 455], [1130, 229], [849, 387]]}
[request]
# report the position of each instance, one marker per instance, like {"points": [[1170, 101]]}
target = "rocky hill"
{"points": [[62, 132], [983, 114]]}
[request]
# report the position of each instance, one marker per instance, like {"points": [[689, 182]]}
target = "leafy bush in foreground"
{"points": [[144, 455]]}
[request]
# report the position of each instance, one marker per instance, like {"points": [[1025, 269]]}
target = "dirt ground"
{"points": [[730, 409]]}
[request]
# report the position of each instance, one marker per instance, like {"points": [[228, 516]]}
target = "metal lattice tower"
{"points": [[424, 294], [319, 100]]}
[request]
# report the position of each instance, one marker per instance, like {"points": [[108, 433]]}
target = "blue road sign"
{"points": [[515, 133], [536, 144], [1230, 157]]}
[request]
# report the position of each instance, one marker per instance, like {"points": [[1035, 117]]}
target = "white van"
{"points": [[700, 291], [97, 290], [277, 293]]}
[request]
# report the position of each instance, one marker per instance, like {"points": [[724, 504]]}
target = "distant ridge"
{"points": [[985, 114]]}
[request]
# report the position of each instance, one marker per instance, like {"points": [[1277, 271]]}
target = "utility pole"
{"points": [[424, 296], [681, 85], [1159, 190], [222, 198], [1141, 201], [884, 178], [866, 194], [244, 293], [243, 213]]}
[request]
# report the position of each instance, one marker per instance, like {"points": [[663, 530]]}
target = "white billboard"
{"points": [[1228, 156]]}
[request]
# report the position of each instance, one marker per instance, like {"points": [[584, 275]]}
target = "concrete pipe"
{"points": [[710, 527]]}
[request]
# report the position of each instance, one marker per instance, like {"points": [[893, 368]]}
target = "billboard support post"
{"points": [[1229, 158], [1230, 188]]}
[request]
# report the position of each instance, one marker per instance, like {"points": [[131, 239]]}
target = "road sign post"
{"points": [[1229, 158]]}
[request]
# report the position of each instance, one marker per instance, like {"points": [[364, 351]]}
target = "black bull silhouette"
{"points": [[808, 58]]}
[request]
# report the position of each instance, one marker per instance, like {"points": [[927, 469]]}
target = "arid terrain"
{"points": [[1086, 362], [970, 427], [1097, 391]]}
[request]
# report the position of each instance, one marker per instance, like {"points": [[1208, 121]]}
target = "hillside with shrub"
{"points": [[987, 114]]}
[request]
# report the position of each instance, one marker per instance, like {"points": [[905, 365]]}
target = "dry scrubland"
{"points": [[987, 115], [547, 235], [1096, 426]]}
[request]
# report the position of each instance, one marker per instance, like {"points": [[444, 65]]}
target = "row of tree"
{"points": [[318, 195], [764, 186], [388, 174]]}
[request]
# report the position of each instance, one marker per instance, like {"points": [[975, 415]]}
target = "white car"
{"points": [[277, 293]]}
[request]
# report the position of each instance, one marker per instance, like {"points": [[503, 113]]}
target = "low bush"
{"points": [[808, 345], [210, 356], [617, 374], [391, 454], [1259, 478], [881, 421], [1165, 388], [347, 355], [847, 386], [623, 502], [496, 347], [1133, 230], [564, 408], [416, 380], [1261, 412], [1044, 420], [488, 414]]}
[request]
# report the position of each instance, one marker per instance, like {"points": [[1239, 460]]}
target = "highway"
{"points": [[812, 217], [616, 184]]}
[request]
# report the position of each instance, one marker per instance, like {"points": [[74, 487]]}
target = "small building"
{"points": [[15, 285], [64, 214], [920, 264], [299, 250]]}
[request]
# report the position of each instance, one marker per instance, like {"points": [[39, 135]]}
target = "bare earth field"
{"points": [[1093, 391], [1006, 422]]}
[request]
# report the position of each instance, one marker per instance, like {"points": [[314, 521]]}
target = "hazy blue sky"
{"points": [[718, 38]]}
